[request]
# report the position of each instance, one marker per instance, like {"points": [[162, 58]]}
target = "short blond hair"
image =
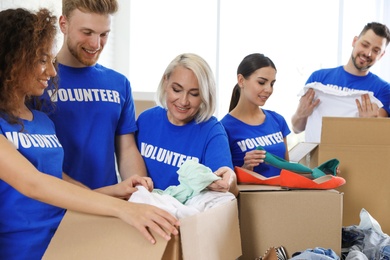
{"points": [[89, 6], [206, 81]]}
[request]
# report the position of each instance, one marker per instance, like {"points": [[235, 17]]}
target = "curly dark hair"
{"points": [[24, 37]]}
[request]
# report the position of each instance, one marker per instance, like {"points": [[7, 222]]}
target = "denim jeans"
{"points": [[376, 246]]}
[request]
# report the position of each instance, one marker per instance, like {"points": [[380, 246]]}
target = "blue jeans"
{"points": [[374, 245]]}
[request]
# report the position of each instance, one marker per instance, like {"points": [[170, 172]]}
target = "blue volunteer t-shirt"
{"points": [[27, 225], [93, 105], [244, 138], [165, 147]]}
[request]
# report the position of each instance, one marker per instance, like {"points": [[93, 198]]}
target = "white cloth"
{"points": [[201, 202], [163, 201], [334, 102], [209, 199]]}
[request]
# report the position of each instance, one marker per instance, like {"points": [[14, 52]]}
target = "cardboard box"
{"points": [[295, 219], [213, 234], [363, 147], [305, 153], [142, 101], [142, 105]]}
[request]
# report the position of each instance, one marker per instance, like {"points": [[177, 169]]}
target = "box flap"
{"points": [[339, 130], [100, 238], [300, 150], [219, 231]]}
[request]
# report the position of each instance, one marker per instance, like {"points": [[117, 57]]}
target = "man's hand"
{"points": [[366, 108], [306, 105]]}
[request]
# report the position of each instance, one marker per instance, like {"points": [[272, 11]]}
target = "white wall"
{"points": [[52, 5], [299, 36]]}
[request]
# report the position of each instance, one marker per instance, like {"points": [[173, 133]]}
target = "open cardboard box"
{"points": [[363, 147], [271, 216], [304, 153], [213, 234]]}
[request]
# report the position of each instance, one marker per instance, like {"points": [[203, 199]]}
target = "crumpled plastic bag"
{"points": [[368, 222]]}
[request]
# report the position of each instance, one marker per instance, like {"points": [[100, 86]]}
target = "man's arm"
{"points": [[129, 159], [382, 112], [298, 123]]}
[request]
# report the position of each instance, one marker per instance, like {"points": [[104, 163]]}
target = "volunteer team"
{"points": [[97, 138]]}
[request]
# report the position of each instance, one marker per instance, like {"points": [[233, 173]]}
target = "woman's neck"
{"points": [[24, 113], [251, 115]]}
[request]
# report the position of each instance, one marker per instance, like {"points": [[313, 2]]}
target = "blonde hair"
{"points": [[89, 6], [205, 76]]}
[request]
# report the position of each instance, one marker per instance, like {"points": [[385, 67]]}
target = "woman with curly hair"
{"points": [[32, 193]]}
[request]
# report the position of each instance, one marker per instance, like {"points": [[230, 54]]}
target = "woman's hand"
{"points": [[227, 178], [253, 158], [227, 183], [124, 189], [146, 218]]}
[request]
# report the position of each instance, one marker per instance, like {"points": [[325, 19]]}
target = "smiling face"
{"points": [[258, 87], [43, 70], [368, 49], [182, 96], [85, 35]]}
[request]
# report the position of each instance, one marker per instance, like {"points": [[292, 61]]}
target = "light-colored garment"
{"points": [[356, 255], [163, 201], [199, 203], [208, 199], [193, 178], [334, 102], [190, 196]]}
